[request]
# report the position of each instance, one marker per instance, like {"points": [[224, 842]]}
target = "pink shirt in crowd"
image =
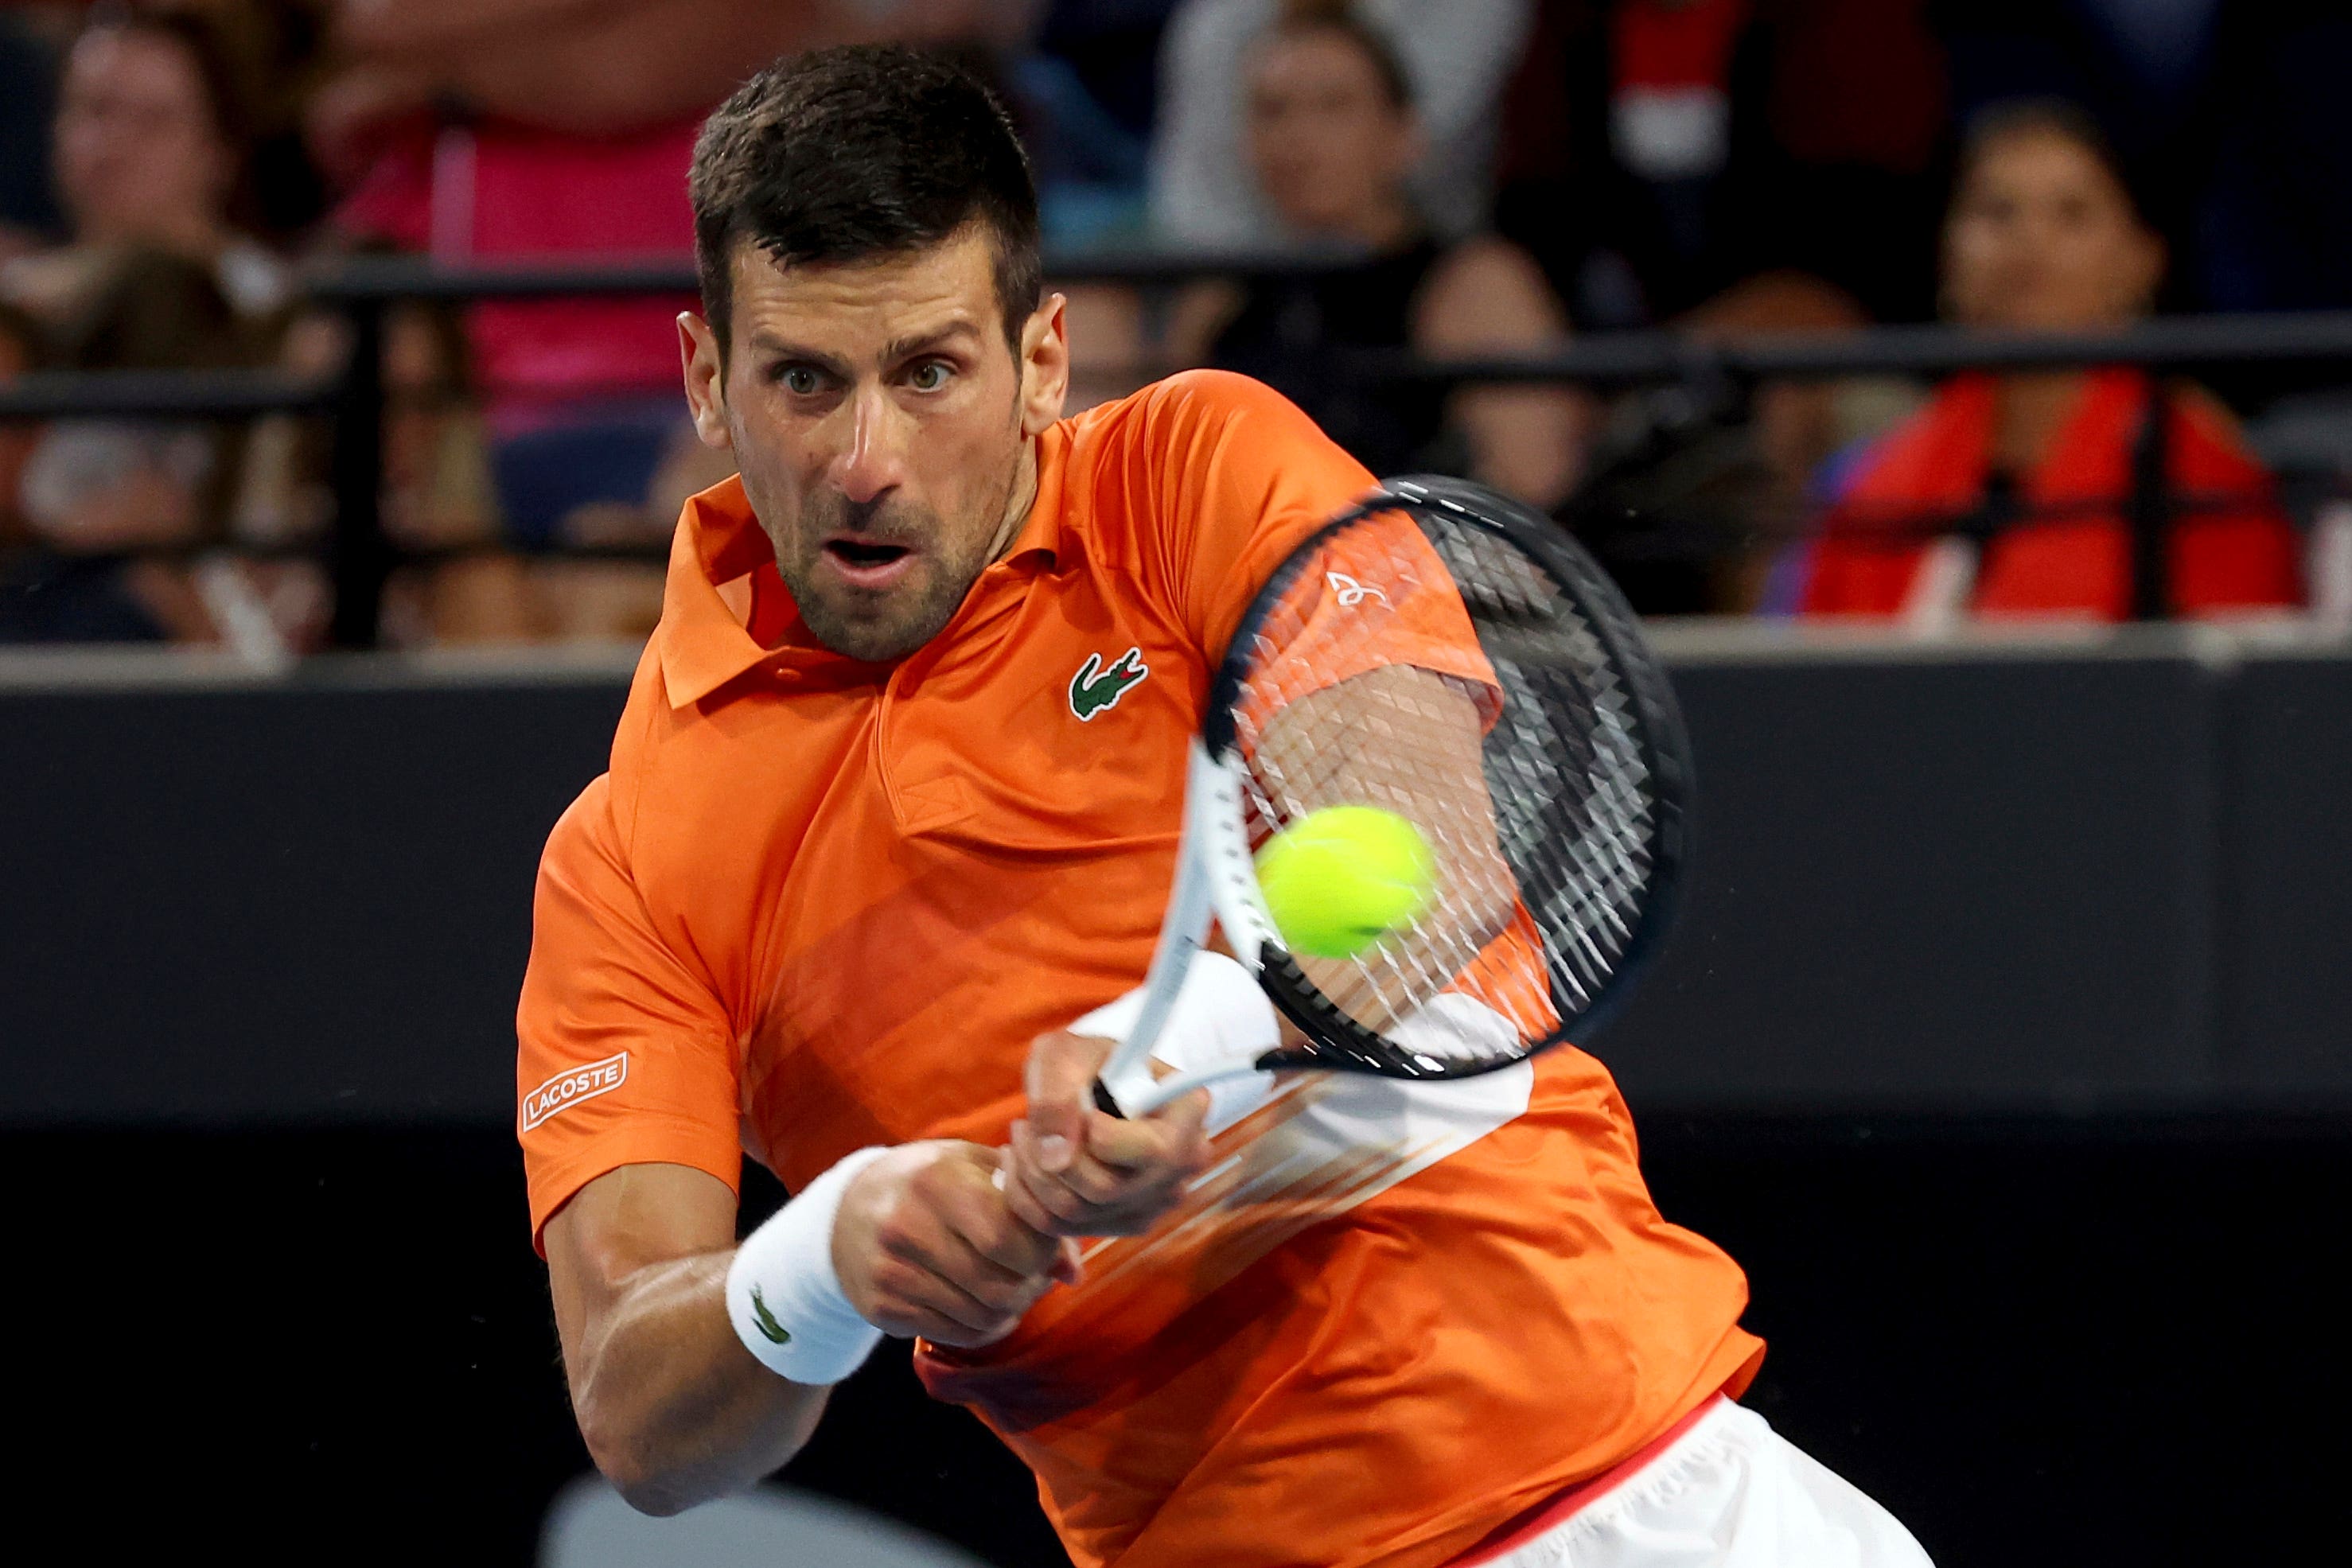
{"points": [[500, 192]]}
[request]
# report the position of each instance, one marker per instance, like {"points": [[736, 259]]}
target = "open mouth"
{"points": [[867, 563]]}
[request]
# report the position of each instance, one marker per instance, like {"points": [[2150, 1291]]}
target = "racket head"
{"points": [[1583, 757]]}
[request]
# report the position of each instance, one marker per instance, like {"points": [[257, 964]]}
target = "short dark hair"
{"points": [[860, 152], [2060, 117]]}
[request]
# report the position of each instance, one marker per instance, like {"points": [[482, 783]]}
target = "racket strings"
{"points": [[1433, 668], [1586, 865], [1372, 675], [1378, 740], [1572, 788]]}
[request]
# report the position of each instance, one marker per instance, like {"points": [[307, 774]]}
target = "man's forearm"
{"points": [[673, 1409], [656, 1304]]}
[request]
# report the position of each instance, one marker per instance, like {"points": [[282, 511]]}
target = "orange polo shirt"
{"points": [[817, 905]]}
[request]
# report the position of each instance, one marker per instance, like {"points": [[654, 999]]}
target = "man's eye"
{"points": [[802, 382], [929, 376]]}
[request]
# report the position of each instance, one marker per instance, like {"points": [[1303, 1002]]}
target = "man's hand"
{"points": [[1076, 1171], [925, 1244]]}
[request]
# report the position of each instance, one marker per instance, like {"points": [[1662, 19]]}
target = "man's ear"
{"points": [[1045, 366], [706, 379]]}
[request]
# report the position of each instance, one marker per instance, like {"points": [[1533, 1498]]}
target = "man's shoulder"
{"points": [[647, 721], [583, 836], [1181, 455], [1175, 408]]}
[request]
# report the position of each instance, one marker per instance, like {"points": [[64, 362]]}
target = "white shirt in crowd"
{"points": [[1459, 54]]}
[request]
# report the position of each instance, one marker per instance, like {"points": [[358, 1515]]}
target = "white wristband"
{"points": [[1220, 1014], [785, 1298]]}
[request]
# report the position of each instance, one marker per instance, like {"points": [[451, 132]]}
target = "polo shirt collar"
{"points": [[703, 646]]}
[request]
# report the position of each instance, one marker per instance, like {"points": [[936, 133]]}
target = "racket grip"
{"points": [[1105, 1103]]}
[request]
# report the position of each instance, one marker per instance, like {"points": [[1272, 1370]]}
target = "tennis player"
{"points": [[889, 830]]}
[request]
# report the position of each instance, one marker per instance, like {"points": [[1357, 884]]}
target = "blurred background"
{"points": [[1963, 389]]}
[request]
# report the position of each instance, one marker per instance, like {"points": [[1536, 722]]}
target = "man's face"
{"points": [[882, 425]]}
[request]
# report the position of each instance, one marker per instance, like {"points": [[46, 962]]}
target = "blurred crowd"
{"points": [[1470, 177]]}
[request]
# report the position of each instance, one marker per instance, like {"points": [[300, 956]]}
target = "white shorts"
{"points": [[1730, 1492]]}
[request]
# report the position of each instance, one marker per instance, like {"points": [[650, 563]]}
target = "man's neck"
{"points": [[1019, 501]]}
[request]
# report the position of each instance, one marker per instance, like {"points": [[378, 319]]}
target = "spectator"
{"points": [[487, 131], [1332, 139], [151, 160], [2236, 106], [123, 510], [150, 151], [466, 586], [1696, 486], [2036, 475], [603, 68], [437, 494], [1456, 53], [578, 392], [2146, 71], [490, 130]]}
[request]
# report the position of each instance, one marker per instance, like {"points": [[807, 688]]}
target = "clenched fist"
{"points": [[926, 1243], [1078, 1171]]}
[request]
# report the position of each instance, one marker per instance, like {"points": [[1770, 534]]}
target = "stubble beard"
{"points": [[882, 626]]}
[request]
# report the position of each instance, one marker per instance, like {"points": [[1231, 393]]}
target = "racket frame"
{"points": [[1216, 873]]}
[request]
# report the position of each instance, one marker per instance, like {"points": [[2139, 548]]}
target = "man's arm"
{"points": [[673, 1409]]}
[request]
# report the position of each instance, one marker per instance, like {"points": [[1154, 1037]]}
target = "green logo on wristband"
{"points": [[767, 1320]]}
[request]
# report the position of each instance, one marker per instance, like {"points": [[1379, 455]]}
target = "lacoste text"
{"points": [[569, 1088]]}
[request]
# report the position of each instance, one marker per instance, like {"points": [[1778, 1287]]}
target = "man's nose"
{"points": [[874, 461]]}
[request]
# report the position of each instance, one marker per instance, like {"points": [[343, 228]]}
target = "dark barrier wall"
{"points": [[2284, 1016], [1994, 958], [1973, 883], [2003, 878], [277, 902]]}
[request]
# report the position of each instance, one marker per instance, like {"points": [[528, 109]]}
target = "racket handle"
{"points": [[1105, 1102]]}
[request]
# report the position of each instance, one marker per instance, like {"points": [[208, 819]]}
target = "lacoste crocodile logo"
{"points": [[1095, 689], [769, 1326]]}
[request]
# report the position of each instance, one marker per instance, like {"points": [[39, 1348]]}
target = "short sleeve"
{"points": [[627, 1057], [1377, 595], [1243, 475]]}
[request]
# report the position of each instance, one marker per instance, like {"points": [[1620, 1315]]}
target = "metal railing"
{"points": [[361, 557]]}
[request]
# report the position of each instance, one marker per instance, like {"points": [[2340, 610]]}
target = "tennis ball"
{"points": [[1338, 879]]}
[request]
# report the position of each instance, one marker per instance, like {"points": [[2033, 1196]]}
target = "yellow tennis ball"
{"points": [[1338, 879]]}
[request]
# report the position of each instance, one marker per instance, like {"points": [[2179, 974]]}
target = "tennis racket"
{"points": [[1451, 656]]}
